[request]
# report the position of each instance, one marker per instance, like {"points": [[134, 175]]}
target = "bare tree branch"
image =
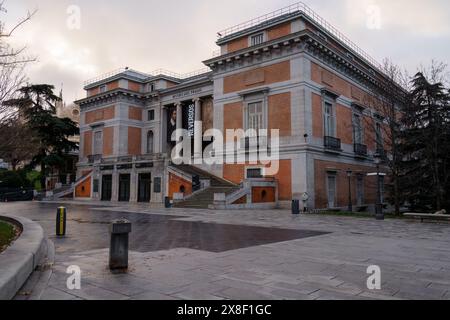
{"points": [[12, 66], [19, 24]]}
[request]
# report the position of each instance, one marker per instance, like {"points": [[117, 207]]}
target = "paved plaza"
{"points": [[206, 254]]}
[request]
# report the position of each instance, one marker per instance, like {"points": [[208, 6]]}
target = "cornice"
{"points": [[260, 27], [189, 85], [264, 48], [114, 96], [307, 41]]}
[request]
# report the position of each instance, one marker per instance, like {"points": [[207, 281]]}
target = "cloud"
{"points": [[416, 17], [178, 35]]}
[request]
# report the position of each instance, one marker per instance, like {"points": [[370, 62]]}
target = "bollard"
{"points": [[118, 250], [295, 206], [61, 221], [167, 203]]}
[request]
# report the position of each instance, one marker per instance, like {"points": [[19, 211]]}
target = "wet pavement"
{"points": [[88, 229], [248, 254]]}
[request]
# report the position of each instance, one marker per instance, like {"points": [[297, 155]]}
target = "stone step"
{"points": [[206, 197], [215, 181]]}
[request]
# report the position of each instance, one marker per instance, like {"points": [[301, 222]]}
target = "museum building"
{"points": [[290, 71]]}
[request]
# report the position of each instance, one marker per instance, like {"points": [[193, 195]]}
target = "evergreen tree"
{"points": [[36, 106], [425, 135]]}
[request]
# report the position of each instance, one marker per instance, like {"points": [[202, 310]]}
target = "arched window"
{"points": [[150, 142]]}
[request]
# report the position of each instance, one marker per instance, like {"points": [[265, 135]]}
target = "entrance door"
{"points": [[331, 191], [124, 187], [144, 188], [360, 190], [106, 187]]}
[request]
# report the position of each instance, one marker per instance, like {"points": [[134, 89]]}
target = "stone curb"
{"points": [[19, 260]]}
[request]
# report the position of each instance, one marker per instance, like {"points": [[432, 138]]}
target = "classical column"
{"points": [[179, 120], [198, 134], [134, 181], [198, 109], [176, 152], [115, 186]]}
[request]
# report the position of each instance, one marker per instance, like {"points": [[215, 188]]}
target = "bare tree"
{"points": [[383, 122], [18, 143], [436, 72], [12, 63]]}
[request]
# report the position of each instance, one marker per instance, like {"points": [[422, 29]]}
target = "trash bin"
{"points": [[167, 203], [295, 206]]}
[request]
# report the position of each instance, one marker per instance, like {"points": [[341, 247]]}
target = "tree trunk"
{"points": [[396, 197], [43, 185]]}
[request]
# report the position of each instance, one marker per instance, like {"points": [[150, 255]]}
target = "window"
{"points": [[257, 39], [255, 116], [253, 173], [329, 120], [150, 87], [151, 115], [360, 190], [95, 186], [98, 142], [157, 185], [103, 88], [357, 129], [331, 188], [150, 142]]}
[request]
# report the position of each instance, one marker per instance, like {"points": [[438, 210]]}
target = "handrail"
{"points": [[82, 178], [236, 195], [63, 193], [301, 7]]}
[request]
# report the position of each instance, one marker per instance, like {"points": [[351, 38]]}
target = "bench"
{"points": [[430, 216]]}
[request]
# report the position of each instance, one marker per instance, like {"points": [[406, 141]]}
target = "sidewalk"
{"points": [[171, 256]]}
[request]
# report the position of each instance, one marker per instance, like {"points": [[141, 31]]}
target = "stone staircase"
{"points": [[203, 198], [56, 194]]}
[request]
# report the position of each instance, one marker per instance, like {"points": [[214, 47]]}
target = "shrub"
{"points": [[13, 179]]}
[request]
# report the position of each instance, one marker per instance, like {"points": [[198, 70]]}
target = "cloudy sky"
{"points": [[178, 35]]}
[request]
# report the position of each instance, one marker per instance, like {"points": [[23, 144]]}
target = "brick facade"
{"points": [[277, 72], [293, 75]]}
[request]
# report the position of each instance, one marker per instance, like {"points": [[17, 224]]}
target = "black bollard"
{"points": [[61, 221], [118, 250], [167, 203], [295, 207]]}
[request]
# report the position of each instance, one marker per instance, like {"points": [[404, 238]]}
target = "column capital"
{"points": [[178, 104], [196, 100]]}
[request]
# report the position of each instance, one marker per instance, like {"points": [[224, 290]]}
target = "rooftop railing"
{"points": [[300, 7], [114, 73], [181, 76], [144, 76]]}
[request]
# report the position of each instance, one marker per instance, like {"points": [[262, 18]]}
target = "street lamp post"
{"points": [[379, 215], [350, 205]]}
